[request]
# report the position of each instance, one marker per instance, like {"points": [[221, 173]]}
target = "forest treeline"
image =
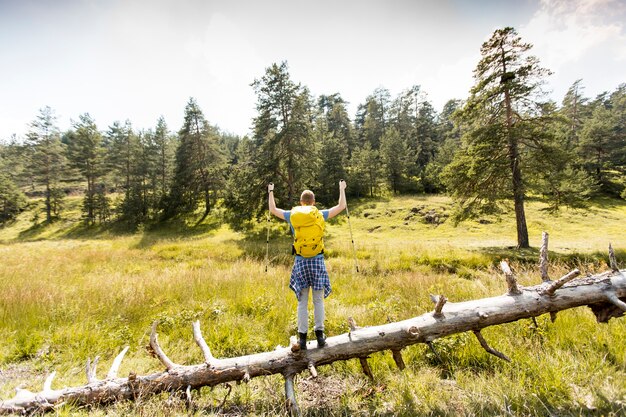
{"points": [[491, 150]]}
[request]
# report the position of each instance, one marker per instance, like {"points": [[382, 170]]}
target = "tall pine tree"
{"points": [[283, 135], [396, 157], [200, 164], [163, 146], [499, 112], [47, 160], [86, 154]]}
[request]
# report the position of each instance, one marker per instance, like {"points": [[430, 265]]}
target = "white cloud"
{"points": [[565, 31]]}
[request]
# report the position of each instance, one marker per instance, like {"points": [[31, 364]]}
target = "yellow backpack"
{"points": [[308, 227]]}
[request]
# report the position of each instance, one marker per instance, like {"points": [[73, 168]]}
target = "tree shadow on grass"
{"points": [[607, 203], [63, 229], [178, 228], [530, 256], [275, 250], [32, 233]]}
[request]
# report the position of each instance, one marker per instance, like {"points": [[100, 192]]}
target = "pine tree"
{"points": [[426, 132], [47, 160], [403, 117], [618, 106], [576, 110], [602, 145], [163, 147], [396, 158], [12, 200], [595, 143], [122, 145], [552, 166], [284, 148], [449, 131], [414, 118], [333, 154], [133, 160], [333, 109], [502, 107], [372, 118], [365, 171], [200, 164], [86, 154]]}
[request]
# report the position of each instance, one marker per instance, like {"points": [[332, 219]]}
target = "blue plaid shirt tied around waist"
{"points": [[309, 272]]}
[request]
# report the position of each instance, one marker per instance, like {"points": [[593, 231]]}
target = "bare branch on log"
{"points": [[551, 289], [47, 385], [197, 335], [290, 394], [154, 344], [488, 348], [188, 399], [116, 364], [397, 358], [553, 316], [366, 368], [543, 257], [612, 259], [511, 281], [91, 369], [440, 301], [616, 301]]}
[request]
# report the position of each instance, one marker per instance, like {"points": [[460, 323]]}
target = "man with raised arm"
{"points": [[309, 270]]}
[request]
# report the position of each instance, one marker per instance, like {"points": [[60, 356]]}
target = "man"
{"points": [[309, 269]]}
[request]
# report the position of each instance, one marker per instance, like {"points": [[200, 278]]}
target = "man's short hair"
{"points": [[307, 197]]}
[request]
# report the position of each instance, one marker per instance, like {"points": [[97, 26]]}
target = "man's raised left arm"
{"points": [[341, 205]]}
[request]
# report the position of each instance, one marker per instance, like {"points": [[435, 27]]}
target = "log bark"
{"points": [[605, 294]]}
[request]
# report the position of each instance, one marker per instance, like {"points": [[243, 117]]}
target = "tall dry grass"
{"points": [[77, 295]]}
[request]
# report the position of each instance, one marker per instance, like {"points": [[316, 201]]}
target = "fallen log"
{"points": [[605, 294]]}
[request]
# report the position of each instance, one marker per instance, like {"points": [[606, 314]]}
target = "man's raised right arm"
{"points": [[280, 213]]}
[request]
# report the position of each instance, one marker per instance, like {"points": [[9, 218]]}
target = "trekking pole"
{"points": [[267, 244], [267, 240], [356, 264]]}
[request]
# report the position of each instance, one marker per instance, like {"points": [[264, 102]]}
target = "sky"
{"points": [[138, 60]]}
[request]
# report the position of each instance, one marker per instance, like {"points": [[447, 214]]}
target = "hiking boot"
{"points": [[321, 338], [302, 340]]}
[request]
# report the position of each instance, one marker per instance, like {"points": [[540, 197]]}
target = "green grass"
{"points": [[70, 292]]}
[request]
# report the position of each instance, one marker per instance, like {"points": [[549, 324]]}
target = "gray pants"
{"points": [[318, 310]]}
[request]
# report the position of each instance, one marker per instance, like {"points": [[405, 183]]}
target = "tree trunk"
{"points": [[604, 293], [518, 198], [48, 204], [207, 202], [514, 159]]}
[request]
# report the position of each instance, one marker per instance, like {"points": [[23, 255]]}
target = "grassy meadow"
{"points": [[70, 292]]}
